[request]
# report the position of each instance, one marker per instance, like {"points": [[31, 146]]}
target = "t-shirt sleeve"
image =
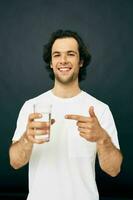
{"points": [[22, 121], [108, 123]]}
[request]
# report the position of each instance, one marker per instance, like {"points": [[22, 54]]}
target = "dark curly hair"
{"points": [[83, 51]]}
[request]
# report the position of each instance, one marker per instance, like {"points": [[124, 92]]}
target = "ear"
{"points": [[81, 63]]}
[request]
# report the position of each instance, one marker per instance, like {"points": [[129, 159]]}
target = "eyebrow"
{"points": [[70, 51]]}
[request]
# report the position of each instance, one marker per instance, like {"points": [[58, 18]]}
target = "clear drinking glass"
{"points": [[45, 110]]}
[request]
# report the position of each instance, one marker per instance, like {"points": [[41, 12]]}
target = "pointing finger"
{"points": [[77, 117]]}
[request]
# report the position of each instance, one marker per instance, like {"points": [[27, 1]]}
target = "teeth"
{"points": [[64, 69]]}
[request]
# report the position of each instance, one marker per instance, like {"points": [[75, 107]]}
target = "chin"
{"points": [[67, 79]]}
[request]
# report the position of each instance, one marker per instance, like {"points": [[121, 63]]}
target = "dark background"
{"points": [[107, 28]]}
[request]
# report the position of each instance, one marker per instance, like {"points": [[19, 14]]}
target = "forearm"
{"points": [[110, 158], [20, 152]]}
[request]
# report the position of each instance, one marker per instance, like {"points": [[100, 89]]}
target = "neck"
{"points": [[66, 91]]}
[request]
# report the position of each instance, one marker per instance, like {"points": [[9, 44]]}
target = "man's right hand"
{"points": [[35, 128]]}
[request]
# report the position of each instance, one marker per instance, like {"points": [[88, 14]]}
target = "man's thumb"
{"points": [[91, 112]]}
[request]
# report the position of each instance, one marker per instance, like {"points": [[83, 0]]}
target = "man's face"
{"points": [[65, 60]]}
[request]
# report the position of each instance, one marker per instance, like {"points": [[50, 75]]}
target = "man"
{"points": [[81, 128]]}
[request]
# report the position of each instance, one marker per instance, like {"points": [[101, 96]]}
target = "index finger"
{"points": [[33, 116], [77, 117]]}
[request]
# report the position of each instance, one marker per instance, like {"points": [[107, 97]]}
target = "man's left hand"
{"points": [[89, 127]]}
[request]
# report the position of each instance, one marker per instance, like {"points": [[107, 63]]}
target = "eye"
{"points": [[71, 54], [56, 55]]}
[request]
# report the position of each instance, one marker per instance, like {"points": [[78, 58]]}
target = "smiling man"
{"points": [[66, 61], [82, 127]]}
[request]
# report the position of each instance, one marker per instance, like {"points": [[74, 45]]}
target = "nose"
{"points": [[63, 59]]}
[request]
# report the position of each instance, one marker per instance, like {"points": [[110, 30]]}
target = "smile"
{"points": [[64, 69]]}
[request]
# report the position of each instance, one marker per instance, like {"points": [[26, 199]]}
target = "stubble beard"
{"points": [[66, 80]]}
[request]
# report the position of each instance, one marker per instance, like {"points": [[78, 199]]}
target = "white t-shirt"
{"points": [[64, 168]]}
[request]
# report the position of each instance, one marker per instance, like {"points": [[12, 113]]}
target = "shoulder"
{"points": [[28, 104], [42, 97], [93, 100], [100, 107]]}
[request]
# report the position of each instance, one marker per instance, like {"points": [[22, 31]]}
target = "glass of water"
{"points": [[45, 110]]}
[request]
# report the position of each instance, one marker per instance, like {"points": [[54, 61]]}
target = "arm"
{"points": [[21, 150], [109, 156]]}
